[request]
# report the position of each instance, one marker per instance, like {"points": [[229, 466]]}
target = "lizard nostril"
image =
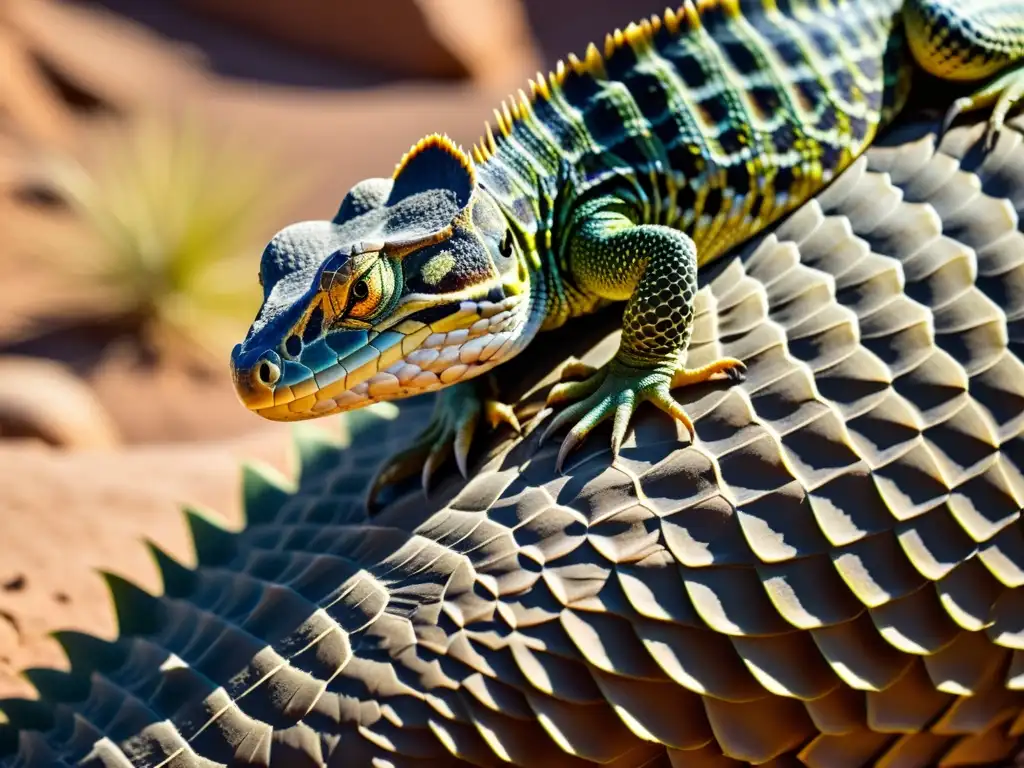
{"points": [[268, 373]]}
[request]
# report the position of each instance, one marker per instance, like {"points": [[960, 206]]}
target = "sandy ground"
{"points": [[66, 515]]}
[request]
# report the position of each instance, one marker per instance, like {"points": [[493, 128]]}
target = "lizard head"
{"points": [[415, 284]]}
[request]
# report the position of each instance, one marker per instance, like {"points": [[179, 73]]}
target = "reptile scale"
{"points": [[615, 180]]}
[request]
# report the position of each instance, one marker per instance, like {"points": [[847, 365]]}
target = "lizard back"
{"points": [[716, 119]]}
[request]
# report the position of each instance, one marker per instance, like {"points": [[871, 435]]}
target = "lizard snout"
{"points": [[255, 377]]}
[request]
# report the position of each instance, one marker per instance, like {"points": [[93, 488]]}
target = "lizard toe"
{"points": [[438, 454], [613, 391], [396, 470], [662, 398], [1009, 98], [616, 391], [570, 391], [732, 369], [593, 414]]}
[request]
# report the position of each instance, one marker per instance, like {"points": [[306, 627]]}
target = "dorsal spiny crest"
{"points": [[514, 109], [591, 64], [486, 146], [612, 41], [671, 21], [558, 76], [681, 20], [434, 162], [540, 86], [688, 15], [435, 141], [499, 120], [524, 105]]}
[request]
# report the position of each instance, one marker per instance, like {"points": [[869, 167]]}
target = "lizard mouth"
{"points": [[365, 367]]}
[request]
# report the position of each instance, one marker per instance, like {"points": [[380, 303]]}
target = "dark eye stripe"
{"points": [[433, 314]]}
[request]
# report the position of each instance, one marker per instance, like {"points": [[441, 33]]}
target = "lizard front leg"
{"points": [[653, 268]]}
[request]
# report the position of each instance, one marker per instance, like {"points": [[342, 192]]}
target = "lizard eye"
{"points": [[370, 292]]}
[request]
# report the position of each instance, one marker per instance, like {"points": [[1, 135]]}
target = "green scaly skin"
{"points": [[614, 181]]}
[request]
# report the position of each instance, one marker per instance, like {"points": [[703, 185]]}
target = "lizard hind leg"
{"points": [[980, 42], [1002, 94]]}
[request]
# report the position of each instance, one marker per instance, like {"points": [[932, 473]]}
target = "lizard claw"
{"points": [[498, 413], [957, 108], [463, 439], [441, 451]]}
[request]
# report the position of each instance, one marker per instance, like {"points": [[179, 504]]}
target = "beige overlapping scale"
{"points": [[830, 575], [811, 592], [520, 741], [659, 712], [748, 738], [967, 593], [839, 713], [849, 750], [1003, 555], [934, 543], [787, 665], [859, 655]]}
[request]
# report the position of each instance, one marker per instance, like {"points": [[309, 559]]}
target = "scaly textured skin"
{"points": [[832, 576], [618, 178]]}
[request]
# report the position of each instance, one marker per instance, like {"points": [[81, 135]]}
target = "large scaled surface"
{"points": [[830, 576]]}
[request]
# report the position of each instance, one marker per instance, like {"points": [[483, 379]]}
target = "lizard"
{"points": [[616, 179]]}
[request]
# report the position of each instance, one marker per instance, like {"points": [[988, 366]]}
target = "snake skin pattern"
{"points": [[831, 576]]}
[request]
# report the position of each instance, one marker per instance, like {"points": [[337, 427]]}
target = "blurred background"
{"points": [[148, 150]]}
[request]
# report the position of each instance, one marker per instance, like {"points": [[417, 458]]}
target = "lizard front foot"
{"points": [[452, 426], [616, 389]]}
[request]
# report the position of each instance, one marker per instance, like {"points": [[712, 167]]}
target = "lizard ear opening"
{"points": [[435, 163]]}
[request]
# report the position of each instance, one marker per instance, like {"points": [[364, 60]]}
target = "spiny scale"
{"points": [[434, 140], [716, 118]]}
